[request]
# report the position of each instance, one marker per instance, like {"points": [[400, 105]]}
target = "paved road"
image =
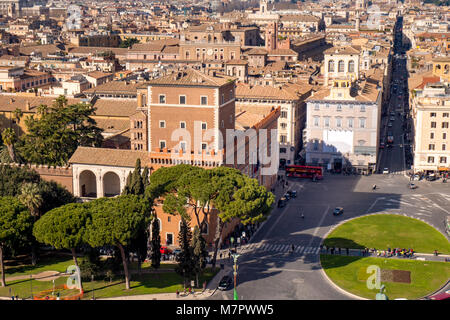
{"points": [[268, 271]]}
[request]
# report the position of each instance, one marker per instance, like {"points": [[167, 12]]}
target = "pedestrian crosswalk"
{"points": [[277, 247]]}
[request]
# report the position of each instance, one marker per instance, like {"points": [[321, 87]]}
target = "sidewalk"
{"points": [[359, 253]]}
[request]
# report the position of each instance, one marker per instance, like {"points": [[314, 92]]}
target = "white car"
{"points": [[385, 171]]}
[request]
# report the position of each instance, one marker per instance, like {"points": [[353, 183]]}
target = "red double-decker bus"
{"points": [[311, 172]]}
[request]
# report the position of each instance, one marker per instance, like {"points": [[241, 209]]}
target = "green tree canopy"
{"points": [[115, 221], [53, 195], [63, 227], [15, 226], [54, 137], [128, 43]]}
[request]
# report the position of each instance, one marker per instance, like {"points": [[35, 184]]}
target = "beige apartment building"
{"points": [[342, 126], [430, 111]]}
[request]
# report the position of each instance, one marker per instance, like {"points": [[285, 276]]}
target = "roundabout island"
{"points": [[356, 257]]}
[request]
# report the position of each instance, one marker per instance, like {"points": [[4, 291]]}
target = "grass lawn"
{"points": [[149, 283], [145, 284], [384, 231], [350, 273], [23, 288], [45, 263]]}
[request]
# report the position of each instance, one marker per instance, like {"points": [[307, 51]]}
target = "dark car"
{"points": [[338, 211], [287, 196], [382, 145], [292, 193], [431, 177], [225, 283], [282, 202], [177, 251]]}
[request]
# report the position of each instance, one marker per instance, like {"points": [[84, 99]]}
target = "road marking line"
{"points": [[318, 226]]}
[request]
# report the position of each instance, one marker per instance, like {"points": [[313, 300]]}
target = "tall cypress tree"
{"points": [[126, 189], [137, 185], [185, 261], [199, 252], [155, 244], [145, 177]]}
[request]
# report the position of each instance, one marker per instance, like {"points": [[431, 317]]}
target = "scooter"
{"points": [[374, 187]]}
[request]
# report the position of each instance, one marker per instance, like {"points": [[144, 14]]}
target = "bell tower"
{"points": [[263, 6]]}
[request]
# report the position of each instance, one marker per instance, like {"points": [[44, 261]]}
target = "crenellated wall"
{"points": [[61, 175]]}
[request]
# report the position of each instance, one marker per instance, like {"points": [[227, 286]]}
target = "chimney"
{"points": [[27, 106]]}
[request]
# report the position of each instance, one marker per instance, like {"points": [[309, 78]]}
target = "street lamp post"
{"points": [[93, 288], [31, 286], [235, 268]]}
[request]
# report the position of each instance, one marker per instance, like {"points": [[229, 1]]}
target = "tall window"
{"points": [[341, 66], [362, 122], [444, 147], [316, 121], [162, 144], [445, 125], [331, 66], [162, 98], [203, 100], [432, 114], [433, 124], [432, 135], [444, 135], [162, 124], [442, 159], [338, 122], [339, 107], [430, 160], [327, 121], [431, 146], [350, 122], [316, 106], [283, 114], [182, 99], [351, 66], [183, 125], [283, 138]]}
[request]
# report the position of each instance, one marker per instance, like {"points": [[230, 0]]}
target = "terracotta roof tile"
{"points": [[109, 157]]}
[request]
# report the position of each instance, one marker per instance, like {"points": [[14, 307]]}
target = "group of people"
{"points": [[396, 252]]}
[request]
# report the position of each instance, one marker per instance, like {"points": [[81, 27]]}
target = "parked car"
{"points": [[224, 283], [165, 250], [177, 251], [431, 177], [292, 193], [338, 211], [385, 171], [390, 124], [287, 196], [282, 202], [392, 118], [382, 145], [412, 186]]}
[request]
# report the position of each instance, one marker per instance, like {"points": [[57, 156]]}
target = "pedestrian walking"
{"points": [[292, 249]]}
